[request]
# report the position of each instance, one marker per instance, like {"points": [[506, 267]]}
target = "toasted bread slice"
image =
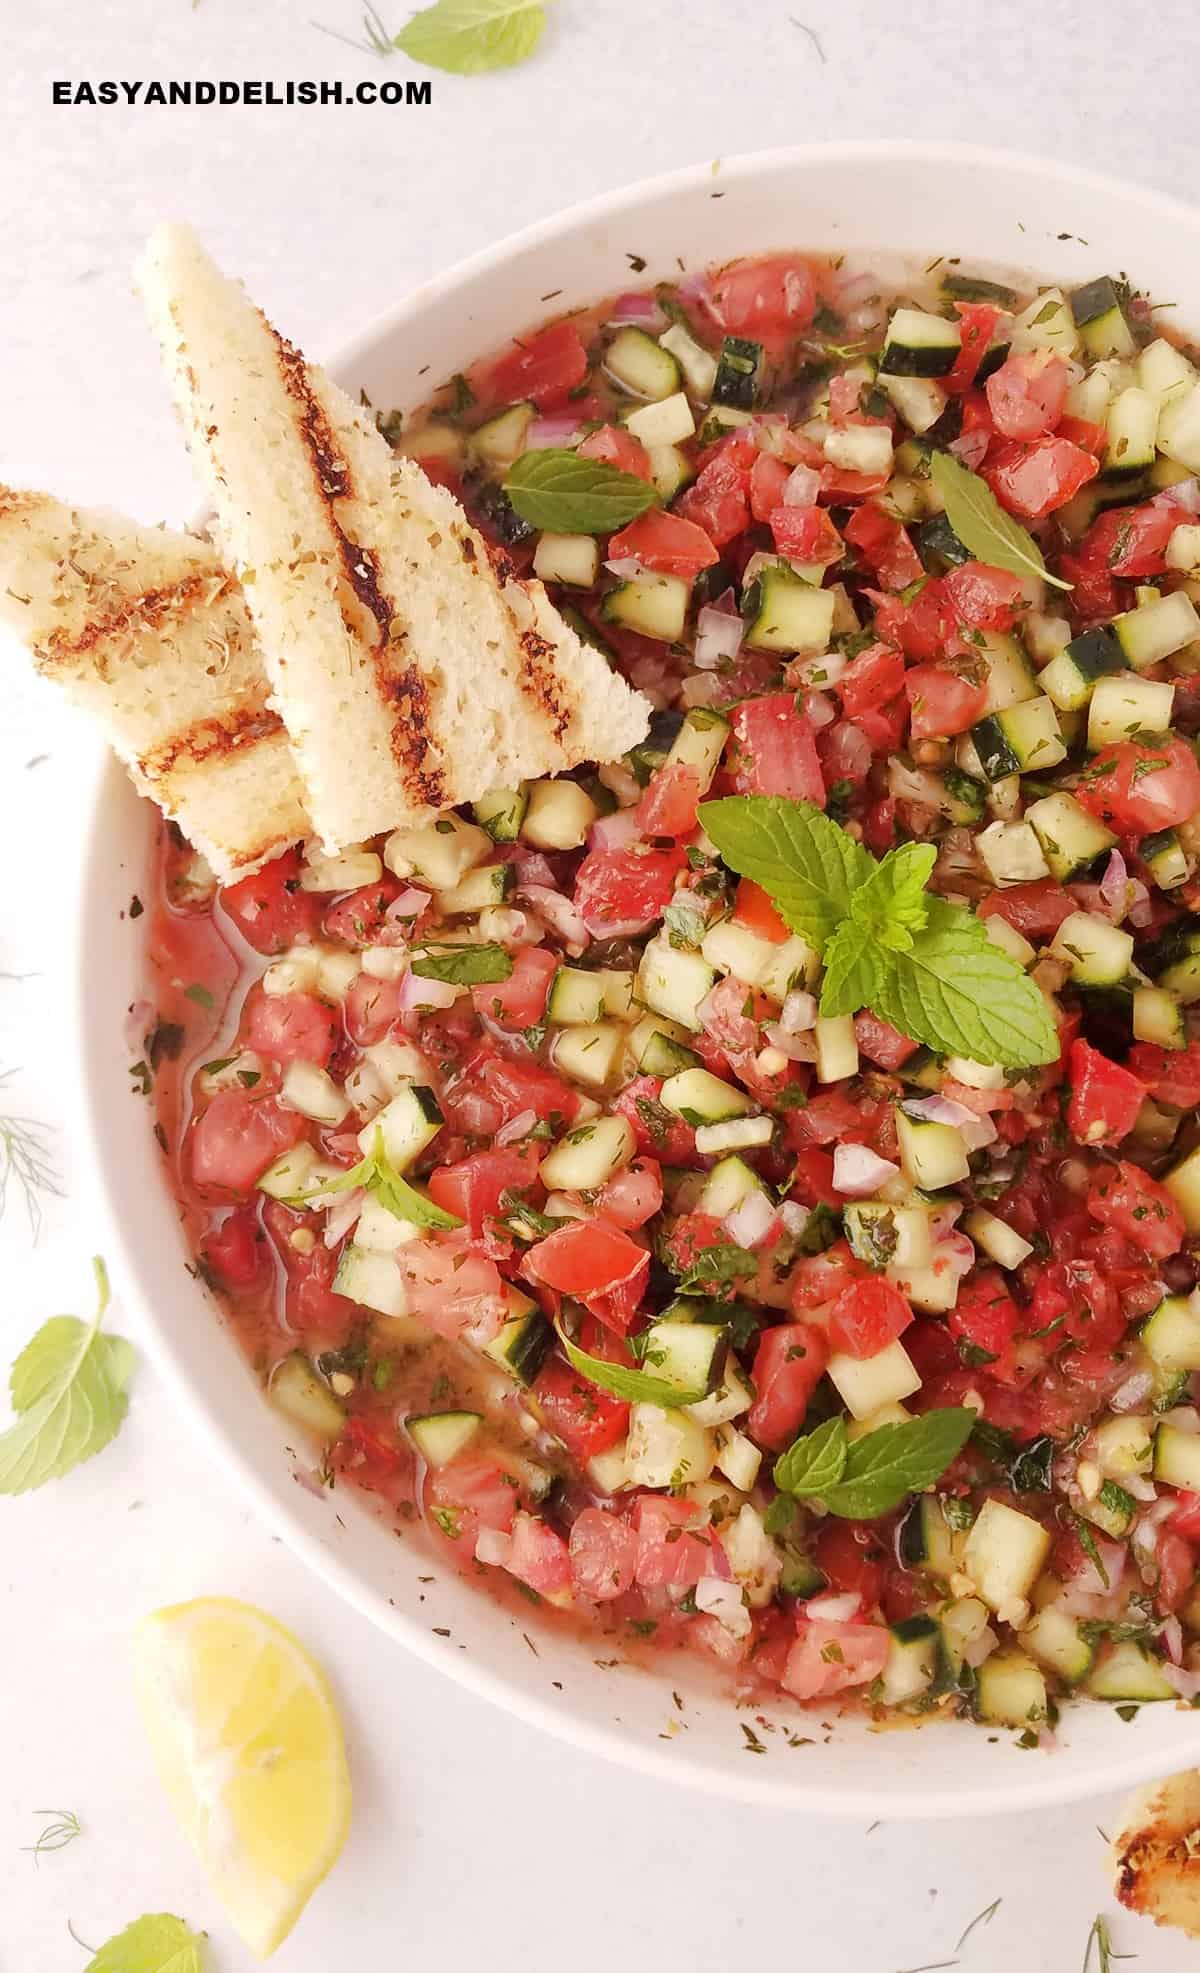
{"points": [[148, 632], [1156, 1852], [413, 669]]}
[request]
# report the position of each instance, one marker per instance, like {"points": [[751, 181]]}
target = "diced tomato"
{"points": [[515, 1087], [1105, 1098], [1172, 1075], [598, 1264], [472, 1189], [1176, 1560], [604, 1552], [883, 542], [520, 1000], [669, 1553], [1027, 393], [771, 299], [688, 1239], [371, 1007], [881, 1043], [977, 319], [617, 888], [922, 627], [776, 750], [788, 1365], [665, 542], [586, 1418], [984, 1321], [238, 1136], [1128, 542], [615, 447], [361, 918], [668, 807], [768, 477], [718, 500], [1185, 1518], [942, 701], [1081, 431], [539, 1557], [1140, 786], [867, 1316], [870, 679], [879, 826], [659, 1132], [1126, 1198], [754, 909], [379, 1464], [1037, 478], [820, 1278], [1036, 909], [546, 368], [984, 597], [806, 534], [269, 909], [812, 1178], [851, 1557], [828, 1658], [633, 1196], [470, 1493], [237, 1250], [292, 1027]]}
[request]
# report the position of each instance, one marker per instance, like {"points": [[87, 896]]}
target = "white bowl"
{"points": [[997, 211]]}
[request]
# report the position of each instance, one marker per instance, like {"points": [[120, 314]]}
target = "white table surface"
{"points": [[473, 1837]]}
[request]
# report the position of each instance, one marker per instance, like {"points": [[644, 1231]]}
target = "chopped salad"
{"points": [[747, 1195]]}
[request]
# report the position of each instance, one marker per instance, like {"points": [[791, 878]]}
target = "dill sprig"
{"points": [[376, 39], [984, 1917], [62, 1827], [26, 1162], [1100, 1938]]}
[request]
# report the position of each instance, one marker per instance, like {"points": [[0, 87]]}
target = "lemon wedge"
{"points": [[249, 1745]]}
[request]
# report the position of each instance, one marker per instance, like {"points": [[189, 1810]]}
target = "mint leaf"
{"points": [[960, 995], [717, 1266], [157, 1943], [468, 37], [809, 866], [981, 524], [68, 1391], [635, 1386], [885, 1466], [376, 1174], [892, 904], [853, 970], [463, 965], [814, 1463], [554, 488]]}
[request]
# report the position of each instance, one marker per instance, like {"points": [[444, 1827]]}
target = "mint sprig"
{"points": [[157, 1943], [987, 532], [554, 488], [860, 1479], [926, 966], [468, 37], [463, 965], [376, 1174], [68, 1391]]}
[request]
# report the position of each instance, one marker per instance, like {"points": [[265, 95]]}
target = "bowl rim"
{"points": [[99, 788]]}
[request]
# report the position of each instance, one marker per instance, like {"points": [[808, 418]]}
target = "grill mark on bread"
{"points": [[405, 690], [541, 684], [211, 739], [148, 610]]}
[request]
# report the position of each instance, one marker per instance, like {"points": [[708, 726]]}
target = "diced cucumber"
{"points": [[1126, 1671], [654, 605], [575, 997], [690, 1356], [702, 1098], [737, 1457], [925, 1541], [1124, 1445], [1052, 1636], [1165, 858], [700, 742], [673, 982], [1156, 629], [735, 949], [380, 1231], [502, 439], [480, 890], [1098, 952], [1071, 839], [837, 1048], [409, 1122], [699, 365], [1011, 853], [669, 422], [1005, 1553], [782, 613], [1070, 678], [1127, 707], [999, 1241], [1182, 975], [963, 1623], [739, 370], [437, 853], [657, 1052], [591, 1054], [588, 1155], [914, 1647], [887, 1236], [314, 1093], [1024, 738], [1171, 1335], [919, 400], [667, 1448], [1011, 1690], [1163, 370], [617, 982], [1111, 1510], [1179, 428], [865, 1383], [440, 1436], [501, 812], [292, 1175], [1010, 676], [670, 469], [1100, 319], [934, 1289], [570, 558], [727, 1186], [1046, 323], [795, 964], [304, 1398], [641, 365], [859, 448], [735, 1134], [919, 345], [1009, 940], [1132, 423], [445, 442], [1177, 1458], [934, 1155], [1158, 1017], [558, 815], [370, 1278], [523, 1344]]}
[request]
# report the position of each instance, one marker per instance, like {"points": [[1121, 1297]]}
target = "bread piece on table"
{"points": [[1156, 1852], [147, 631], [413, 669]]}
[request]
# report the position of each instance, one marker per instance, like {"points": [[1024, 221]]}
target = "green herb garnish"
{"points": [[981, 524], [469, 37], [463, 965], [556, 489], [377, 1175], [157, 1943], [860, 1479]]}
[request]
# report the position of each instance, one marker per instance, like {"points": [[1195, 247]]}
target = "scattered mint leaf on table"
{"points": [[989, 533], [68, 1391], [157, 1943], [469, 37], [554, 488]]}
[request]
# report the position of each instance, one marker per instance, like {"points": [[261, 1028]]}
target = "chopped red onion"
{"points": [[476, 1113], [1141, 905], [798, 1047], [1114, 885], [799, 1012], [627, 567], [839, 1608], [940, 1110], [559, 428], [560, 914], [417, 992], [641, 310], [802, 487], [750, 1222], [718, 636], [822, 711], [848, 754], [493, 1546], [943, 1219], [1186, 1684], [980, 1647], [956, 1254], [1184, 493], [703, 688], [615, 831], [795, 1217], [516, 1128], [725, 1602], [342, 1215], [970, 448], [410, 904], [138, 1023], [858, 1172], [1130, 1395], [822, 670]]}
